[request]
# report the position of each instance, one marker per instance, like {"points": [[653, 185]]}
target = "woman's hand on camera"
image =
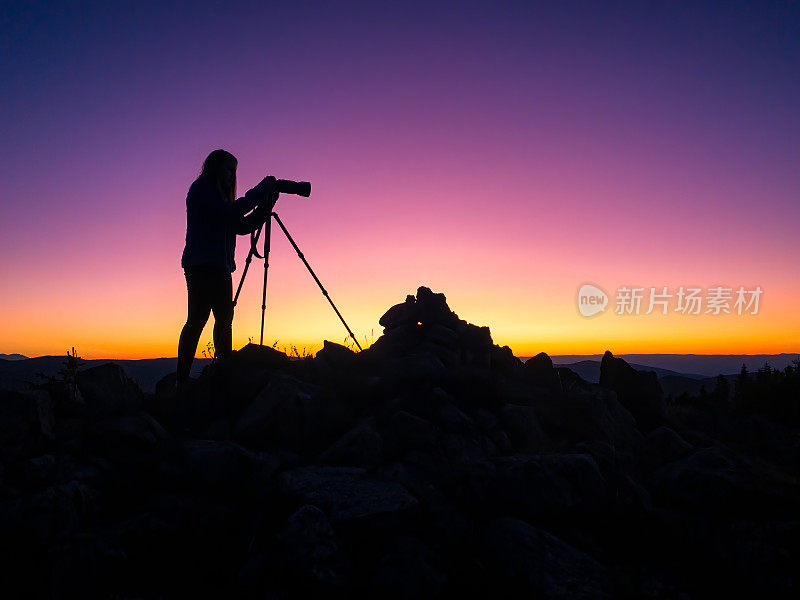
{"points": [[267, 186]]}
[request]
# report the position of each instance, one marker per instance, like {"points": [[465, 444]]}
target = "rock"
{"points": [[312, 551], [219, 467], [288, 413], [539, 364], [663, 446], [443, 342], [432, 308], [476, 346], [230, 384], [718, 482], [38, 518], [539, 487], [450, 418], [411, 432], [362, 446], [87, 565], [108, 392], [503, 359], [336, 356], [17, 424], [589, 413], [529, 562], [45, 413], [490, 426], [409, 569], [57, 469], [442, 336], [567, 380], [220, 430], [347, 495], [463, 454], [419, 367], [449, 357], [522, 427], [539, 370], [638, 391], [69, 433], [400, 314], [396, 342], [166, 387], [130, 436]]}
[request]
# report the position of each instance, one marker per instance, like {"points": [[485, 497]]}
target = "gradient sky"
{"points": [[501, 153]]}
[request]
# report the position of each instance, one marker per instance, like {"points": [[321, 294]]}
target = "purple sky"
{"points": [[567, 141]]}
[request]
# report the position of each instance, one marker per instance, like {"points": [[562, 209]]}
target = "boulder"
{"points": [[476, 345], [638, 391], [396, 342], [503, 359], [57, 469], [230, 384], [38, 518], [662, 446], [409, 569], [589, 413], [87, 565], [108, 392], [400, 314], [539, 364], [529, 562], [347, 495], [362, 446], [432, 308], [539, 370], [18, 427], [127, 436], [312, 551], [522, 427], [540, 487], [719, 482], [416, 368], [336, 356], [410, 432], [280, 415], [219, 467], [492, 428]]}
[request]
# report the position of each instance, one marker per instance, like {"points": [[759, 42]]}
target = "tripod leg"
{"points": [[267, 225], [314, 275], [247, 265]]}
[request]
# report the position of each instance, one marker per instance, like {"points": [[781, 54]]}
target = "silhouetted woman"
{"points": [[213, 219]]}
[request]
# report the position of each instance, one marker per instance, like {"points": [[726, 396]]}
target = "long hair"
{"points": [[212, 170]]}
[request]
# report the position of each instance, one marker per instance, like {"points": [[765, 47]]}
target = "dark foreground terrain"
{"points": [[434, 464]]}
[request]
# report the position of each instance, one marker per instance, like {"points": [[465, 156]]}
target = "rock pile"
{"points": [[432, 464]]}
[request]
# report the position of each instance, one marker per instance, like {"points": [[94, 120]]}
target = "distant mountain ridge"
{"points": [[706, 365], [13, 357], [16, 374], [590, 370]]}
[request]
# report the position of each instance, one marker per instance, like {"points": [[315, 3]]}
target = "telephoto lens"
{"points": [[299, 188]]}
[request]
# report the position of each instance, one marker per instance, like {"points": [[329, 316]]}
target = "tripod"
{"points": [[266, 227]]}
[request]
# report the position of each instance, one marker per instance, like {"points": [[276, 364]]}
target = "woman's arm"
{"points": [[254, 220], [207, 201]]}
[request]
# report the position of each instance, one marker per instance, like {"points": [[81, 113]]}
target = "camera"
{"points": [[299, 188]]}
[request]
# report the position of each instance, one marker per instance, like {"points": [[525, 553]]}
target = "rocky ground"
{"points": [[434, 464]]}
